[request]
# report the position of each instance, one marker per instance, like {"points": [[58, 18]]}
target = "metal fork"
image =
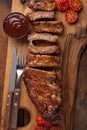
{"points": [[21, 60]]}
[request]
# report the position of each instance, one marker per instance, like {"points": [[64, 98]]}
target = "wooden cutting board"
{"points": [[25, 102]]}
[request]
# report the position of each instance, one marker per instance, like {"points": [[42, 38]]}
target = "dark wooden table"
{"points": [[5, 8]]}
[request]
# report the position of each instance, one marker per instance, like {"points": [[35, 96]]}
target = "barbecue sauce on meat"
{"points": [[41, 71], [16, 25]]}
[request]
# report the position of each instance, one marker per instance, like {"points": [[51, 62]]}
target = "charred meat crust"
{"points": [[42, 85], [40, 75], [43, 61], [49, 26], [42, 5], [41, 15], [46, 97]]}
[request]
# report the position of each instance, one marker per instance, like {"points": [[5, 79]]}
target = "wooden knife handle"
{"points": [[14, 114], [8, 110]]}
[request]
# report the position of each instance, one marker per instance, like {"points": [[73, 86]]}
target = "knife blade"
{"points": [[13, 71], [10, 93]]}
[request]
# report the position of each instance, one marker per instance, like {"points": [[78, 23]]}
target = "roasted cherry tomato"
{"points": [[62, 5], [40, 128], [71, 16], [41, 121], [75, 5]]}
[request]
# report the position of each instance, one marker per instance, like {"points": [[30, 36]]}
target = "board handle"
{"points": [[14, 114], [26, 104], [8, 110]]}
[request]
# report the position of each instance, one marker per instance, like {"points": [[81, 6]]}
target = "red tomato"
{"points": [[41, 121], [75, 5], [62, 5], [71, 16]]}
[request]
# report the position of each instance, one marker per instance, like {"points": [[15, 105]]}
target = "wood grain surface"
{"points": [[8, 110], [3, 47], [6, 50], [74, 47], [80, 107]]}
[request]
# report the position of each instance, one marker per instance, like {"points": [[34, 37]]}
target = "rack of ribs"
{"points": [[42, 74]]}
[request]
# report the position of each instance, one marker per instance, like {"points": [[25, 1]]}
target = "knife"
{"points": [[11, 90], [15, 104]]}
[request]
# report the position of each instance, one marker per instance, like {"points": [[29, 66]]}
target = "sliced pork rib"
{"points": [[43, 61], [38, 75], [46, 97], [45, 5], [46, 43], [43, 36], [44, 49], [49, 26], [41, 15]]}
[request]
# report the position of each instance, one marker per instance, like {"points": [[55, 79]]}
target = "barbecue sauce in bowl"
{"points": [[16, 25]]}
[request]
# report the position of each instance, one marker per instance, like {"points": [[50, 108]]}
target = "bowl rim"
{"points": [[10, 15]]}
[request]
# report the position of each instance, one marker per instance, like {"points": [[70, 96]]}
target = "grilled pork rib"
{"points": [[42, 5], [39, 75], [43, 36], [46, 43], [41, 15], [44, 49], [43, 61], [49, 26], [46, 97], [42, 85]]}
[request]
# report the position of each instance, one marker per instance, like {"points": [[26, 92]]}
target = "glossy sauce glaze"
{"points": [[16, 25]]}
